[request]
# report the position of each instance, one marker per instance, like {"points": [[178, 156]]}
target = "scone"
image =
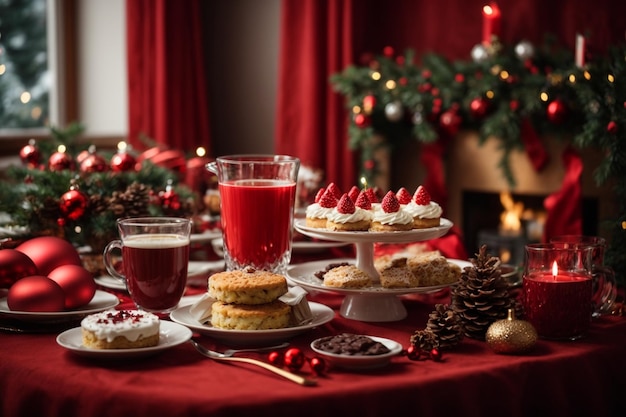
{"points": [[247, 286], [348, 217], [394, 272], [123, 329], [432, 269], [389, 217], [274, 315], [347, 276], [425, 212]]}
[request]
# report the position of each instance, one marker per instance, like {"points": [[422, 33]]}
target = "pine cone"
{"points": [[131, 202], [425, 340], [481, 296], [98, 203], [446, 325]]}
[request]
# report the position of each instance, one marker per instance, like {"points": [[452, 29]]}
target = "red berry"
{"points": [[328, 200], [413, 352], [403, 196], [363, 201], [276, 358], [390, 203], [435, 354], [421, 196], [371, 194], [345, 205], [318, 365], [334, 190], [354, 193], [319, 194], [294, 359]]}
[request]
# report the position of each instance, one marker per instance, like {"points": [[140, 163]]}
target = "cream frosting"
{"points": [[430, 211], [315, 211], [397, 217], [358, 215], [131, 324]]}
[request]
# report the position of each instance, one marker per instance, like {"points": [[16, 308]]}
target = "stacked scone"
{"points": [[360, 210], [123, 329], [248, 300]]}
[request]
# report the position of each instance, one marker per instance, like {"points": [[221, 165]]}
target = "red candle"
{"points": [[558, 303], [491, 22], [580, 50]]}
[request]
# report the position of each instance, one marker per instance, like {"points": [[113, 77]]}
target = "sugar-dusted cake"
{"points": [[431, 269], [317, 213], [425, 212], [347, 276], [394, 272], [348, 217], [389, 217], [247, 286], [120, 329], [273, 315]]}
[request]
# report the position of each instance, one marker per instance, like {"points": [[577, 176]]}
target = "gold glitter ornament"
{"points": [[511, 335]]}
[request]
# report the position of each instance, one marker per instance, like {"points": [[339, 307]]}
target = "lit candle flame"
{"points": [[555, 270], [61, 149], [121, 146], [488, 10], [200, 151], [364, 182]]}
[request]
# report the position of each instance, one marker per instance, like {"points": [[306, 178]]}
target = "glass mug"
{"points": [[604, 282], [557, 289], [258, 194], [155, 258]]}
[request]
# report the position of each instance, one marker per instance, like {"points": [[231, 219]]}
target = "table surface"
{"points": [[585, 377]]}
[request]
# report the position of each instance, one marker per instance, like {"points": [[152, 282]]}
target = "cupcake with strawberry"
{"points": [[349, 216], [390, 217], [425, 212], [317, 213]]}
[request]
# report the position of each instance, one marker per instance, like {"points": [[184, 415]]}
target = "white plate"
{"points": [[170, 335], [197, 274], [303, 275], [321, 315], [362, 361], [297, 246], [382, 237], [205, 236], [101, 300]]}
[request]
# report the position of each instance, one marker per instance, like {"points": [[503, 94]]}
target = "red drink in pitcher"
{"points": [[257, 219], [155, 266]]}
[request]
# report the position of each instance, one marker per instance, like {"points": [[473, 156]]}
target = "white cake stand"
{"points": [[375, 303]]}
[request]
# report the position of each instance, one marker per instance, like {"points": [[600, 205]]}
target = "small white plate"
{"points": [[321, 315], [197, 274], [206, 236], [101, 300], [170, 335], [298, 246], [361, 361]]}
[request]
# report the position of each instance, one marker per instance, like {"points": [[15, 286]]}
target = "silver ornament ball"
{"points": [[524, 50], [394, 111], [479, 53]]}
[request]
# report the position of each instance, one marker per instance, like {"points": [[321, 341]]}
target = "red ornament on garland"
{"points": [[123, 161], [557, 111], [73, 203], [369, 102], [450, 121], [362, 120], [479, 107], [30, 154], [612, 127], [169, 198], [93, 162], [60, 161]]}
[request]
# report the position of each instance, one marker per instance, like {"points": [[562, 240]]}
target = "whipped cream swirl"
{"points": [[430, 211], [397, 217], [315, 211], [358, 215]]}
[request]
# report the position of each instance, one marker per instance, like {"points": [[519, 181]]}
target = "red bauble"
{"points": [[73, 204], [60, 161], [93, 163], [318, 365], [450, 121], [369, 102], [169, 199], [556, 111], [479, 107], [276, 358], [123, 161], [36, 293], [14, 265], [30, 154], [611, 127], [49, 252], [362, 120], [435, 354], [413, 352], [294, 359], [171, 159], [77, 284]]}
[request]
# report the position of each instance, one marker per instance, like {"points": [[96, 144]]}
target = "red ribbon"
{"points": [[564, 207], [534, 148]]}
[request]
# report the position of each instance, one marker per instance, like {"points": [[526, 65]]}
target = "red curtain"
{"points": [[167, 98]]}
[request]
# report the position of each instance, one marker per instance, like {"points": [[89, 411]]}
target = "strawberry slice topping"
{"points": [[371, 194], [421, 196], [354, 193], [390, 203], [328, 199], [319, 194], [345, 205], [363, 201], [403, 196], [335, 190]]}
